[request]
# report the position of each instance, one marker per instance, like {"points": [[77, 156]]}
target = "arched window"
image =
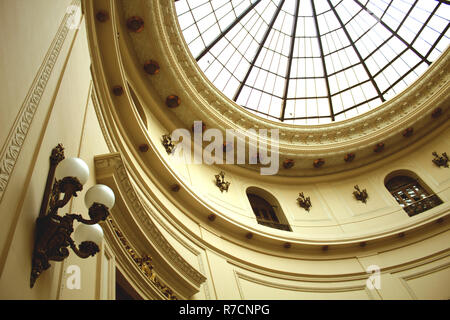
{"points": [[267, 209], [413, 195]]}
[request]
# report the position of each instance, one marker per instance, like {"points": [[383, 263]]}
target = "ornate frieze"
{"points": [[141, 214], [143, 262], [13, 145]]}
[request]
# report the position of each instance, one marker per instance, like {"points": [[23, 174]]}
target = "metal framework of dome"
{"points": [[313, 61]]}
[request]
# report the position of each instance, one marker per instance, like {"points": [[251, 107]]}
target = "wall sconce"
{"points": [[168, 143], [440, 161], [304, 202], [221, 183], [360, 195], [53, 232]]}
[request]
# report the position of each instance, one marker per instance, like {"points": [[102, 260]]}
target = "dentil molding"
{"points": [[412, 108]]}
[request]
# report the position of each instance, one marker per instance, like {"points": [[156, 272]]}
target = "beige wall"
{"points": [[50, 64]]}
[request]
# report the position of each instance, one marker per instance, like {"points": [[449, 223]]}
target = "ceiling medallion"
{"points": [[288, 163], [304, 202], [135, 24], [360, 195], [408, 132], [349, 157], [151, 67], [173, 101], [436, 113], [221, 183], [318, 163], [440, 161], [144, 147], [117, 91], [378, 147], [102, 16]]}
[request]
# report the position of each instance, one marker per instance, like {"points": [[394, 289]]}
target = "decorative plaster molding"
{"points": [[128, 141], [12, 147], [140, 213], [411, 108], [144, 263], [301, 288], [101, 121]]}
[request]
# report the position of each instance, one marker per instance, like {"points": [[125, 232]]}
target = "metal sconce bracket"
{"points": [[53, 232], [168, 143], [304, 202], [360, 195], [221, 183], [440, 161]]}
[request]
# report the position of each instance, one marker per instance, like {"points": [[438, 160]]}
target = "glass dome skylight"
{"points": [[313, 61]]}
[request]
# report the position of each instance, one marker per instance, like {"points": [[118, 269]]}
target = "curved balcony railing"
{"points": [[423, 205]]}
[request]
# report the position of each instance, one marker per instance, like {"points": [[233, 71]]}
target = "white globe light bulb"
{"points": [[86, 232], [72, 167], [100, 194]]}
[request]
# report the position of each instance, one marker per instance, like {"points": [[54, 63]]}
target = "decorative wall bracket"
{"points": [[168, 143], [440, 161], [53, 232], [360, 195], [304, 202], [221, 183]]}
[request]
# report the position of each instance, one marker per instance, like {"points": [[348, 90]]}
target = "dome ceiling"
{"points": [[313, 62]]}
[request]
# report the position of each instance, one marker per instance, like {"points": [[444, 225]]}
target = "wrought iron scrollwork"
{"points": [[360, 195], [221, 183], [304, 202], [440, 161]]}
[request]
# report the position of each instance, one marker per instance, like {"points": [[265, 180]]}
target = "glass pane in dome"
{"points": [[311, 61]]}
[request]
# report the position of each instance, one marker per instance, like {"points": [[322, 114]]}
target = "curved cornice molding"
{"points": [[162, 40], [151, 170], [137, 226]]}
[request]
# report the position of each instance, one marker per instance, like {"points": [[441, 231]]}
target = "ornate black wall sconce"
{"points": [[304, 202], [53, 232], [360, 195], [440, 161], [221, 183], [168, 143]]}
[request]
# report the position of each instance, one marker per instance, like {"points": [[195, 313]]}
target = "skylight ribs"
{"points": [[252, 64], [387, 8], [409, 45], [224, 33], [289, 66], [438, 39], [360, 53], [444, 1], [380, 95], [322, 57], [405, 17]]}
